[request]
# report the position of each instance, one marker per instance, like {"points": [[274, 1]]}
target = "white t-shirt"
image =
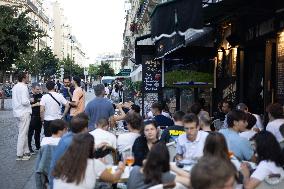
{"points": [[266, 168], [101, 135], [273, 127], [52, 109], [49, 141], [94, 170], [126, 140], [191, 150], [259, 123], [106, 91], [247, 134]]}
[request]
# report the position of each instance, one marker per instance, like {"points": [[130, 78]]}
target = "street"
{"points": [[15, 174]]}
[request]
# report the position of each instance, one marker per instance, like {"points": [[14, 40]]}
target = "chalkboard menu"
{"points": [[280, 70], [152, 76]]}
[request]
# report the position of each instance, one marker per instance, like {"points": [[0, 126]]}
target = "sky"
{"points": [[97, 24]]}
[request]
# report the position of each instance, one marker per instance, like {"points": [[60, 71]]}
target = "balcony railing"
{"points": [[44, 17], [32, 6]]}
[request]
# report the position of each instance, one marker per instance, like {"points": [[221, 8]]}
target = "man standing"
{"points": [[58, 86], [78, 100], [227, 106], [50, 107], [35, 124], [22, 111], [106, 90], [67, 92], [99, 108]]}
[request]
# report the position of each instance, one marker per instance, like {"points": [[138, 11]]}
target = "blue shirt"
{"points": [[62, 146], [64, 91], [240, 146], [97, 109], [163, 120]]}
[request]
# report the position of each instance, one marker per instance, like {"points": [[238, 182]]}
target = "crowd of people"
{"points": [[82, 143]]}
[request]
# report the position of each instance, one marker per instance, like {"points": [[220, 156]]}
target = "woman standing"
{"points": [[77, 168]]}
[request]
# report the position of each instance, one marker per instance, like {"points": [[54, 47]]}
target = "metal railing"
{"points": [[44, 17], [32, 6]]}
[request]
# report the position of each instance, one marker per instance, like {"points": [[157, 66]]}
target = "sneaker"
{"points": [[23, 158], [32, 152], [27, 155]]}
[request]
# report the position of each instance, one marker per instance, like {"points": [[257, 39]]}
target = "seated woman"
{"points": [[77, 168], [270, 158], [216, 146], [144, 143], [156, 170]]}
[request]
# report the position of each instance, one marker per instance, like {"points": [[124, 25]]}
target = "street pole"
{"points": [[71, 59]]}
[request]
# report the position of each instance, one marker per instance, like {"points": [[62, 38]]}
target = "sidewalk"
{"points": [[14, 174]]}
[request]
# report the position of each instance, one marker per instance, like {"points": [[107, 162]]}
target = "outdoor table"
{"points": [[124, 177], [186, 167]]}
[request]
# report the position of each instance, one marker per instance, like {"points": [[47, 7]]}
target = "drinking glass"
{"points": [[128, 158]]}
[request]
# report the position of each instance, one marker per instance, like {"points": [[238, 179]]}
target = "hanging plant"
{"points": [[133, 27]]}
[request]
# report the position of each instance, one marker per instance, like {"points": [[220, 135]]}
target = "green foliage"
{"points": [[105, 70], [70, 68], [187, 76], [132, 86], [42, 62], [93, 71], [16, 35], [48, 63]]}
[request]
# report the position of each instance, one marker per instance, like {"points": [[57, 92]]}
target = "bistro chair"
{"points": [[42, 167], [172, 150]]}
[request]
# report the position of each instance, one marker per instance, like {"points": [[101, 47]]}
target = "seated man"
{"points": [[101, 134], [159, 117], [57, 127], [213, 172], [173, 132], [241, 147], [134, 124], [190, 145], [249, 132]]}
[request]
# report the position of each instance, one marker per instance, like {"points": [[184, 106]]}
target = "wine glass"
{"points": [[128, 158]]}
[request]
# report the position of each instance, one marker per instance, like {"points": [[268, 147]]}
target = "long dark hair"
{"points": [[72, 165], [157, 163], [216, 145], [268, 148]]}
